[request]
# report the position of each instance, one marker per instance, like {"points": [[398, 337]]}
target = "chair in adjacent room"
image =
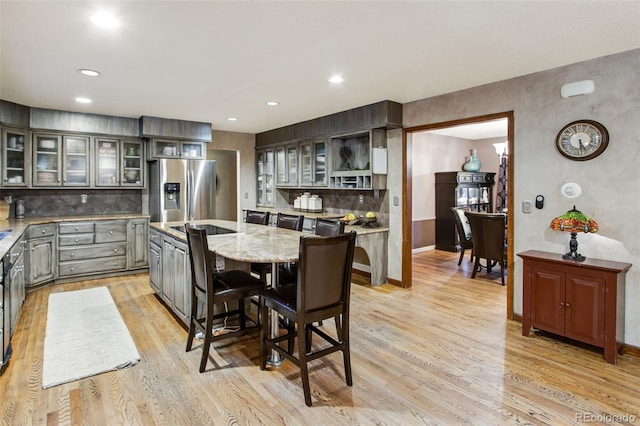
{"points": [[210, 288], [488, 240], [463, 229], [321, 291]]}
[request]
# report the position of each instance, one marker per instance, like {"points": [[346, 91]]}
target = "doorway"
{"points": [[414, 136]]}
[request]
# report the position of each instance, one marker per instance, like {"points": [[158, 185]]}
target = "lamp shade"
{"points": [[574, 221]]}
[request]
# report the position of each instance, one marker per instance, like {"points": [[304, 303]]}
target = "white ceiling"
{"points": [[209, 60], [481, 130]]}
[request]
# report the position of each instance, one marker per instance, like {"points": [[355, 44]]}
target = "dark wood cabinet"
{"points": [[470, 190], [583, 301]]}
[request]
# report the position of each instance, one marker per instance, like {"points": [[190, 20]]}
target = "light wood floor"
{"points": [[439, 353]]}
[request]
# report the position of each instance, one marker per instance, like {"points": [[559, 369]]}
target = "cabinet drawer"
{"points": [[90, 266], [75, 228], [91, 252], [36, 231], [75, 239], [155, 238], [111, 231]]}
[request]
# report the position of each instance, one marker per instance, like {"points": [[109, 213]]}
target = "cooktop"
{"points": [[210, 229]]}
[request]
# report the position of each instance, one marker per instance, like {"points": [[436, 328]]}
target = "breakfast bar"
{"points": [[259, 243]]}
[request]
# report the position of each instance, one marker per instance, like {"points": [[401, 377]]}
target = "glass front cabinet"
{"points": [[119, 163], [47, 157], [287, 165], [313, 165], [75, 160], [172, 148], [265, 176], [16, 164]]}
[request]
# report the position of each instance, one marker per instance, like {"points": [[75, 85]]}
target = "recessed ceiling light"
{"points": [[232, 119], [82, 100], [273, 103], [105, 20], [90, 73], [336, 79]]}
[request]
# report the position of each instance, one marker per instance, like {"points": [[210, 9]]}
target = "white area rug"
{"points": [[85, 336]]}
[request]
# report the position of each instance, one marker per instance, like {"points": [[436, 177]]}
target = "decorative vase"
{"points": [[473, 163], [19, 209]]}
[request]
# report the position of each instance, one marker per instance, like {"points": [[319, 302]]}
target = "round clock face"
{"points": [[582, 140]]}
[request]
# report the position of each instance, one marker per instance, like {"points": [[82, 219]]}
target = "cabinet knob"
{"points": [[76, 228], [115, 250], [72, 268], [566, 305], [562, 304], [110, 232], [115, 264], [76, 240], [44, 231]]}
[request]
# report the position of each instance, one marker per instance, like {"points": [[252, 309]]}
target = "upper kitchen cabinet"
{"points": [[170, 148], [47, 158], [119, 163], [265, 178], [60, 160], [75, 160], [313, 165], [287, 165], [358, 161], [170, 138], [16, 164]]}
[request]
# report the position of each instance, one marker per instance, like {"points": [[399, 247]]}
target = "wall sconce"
{"points": [[577, 88], [502, 148]]}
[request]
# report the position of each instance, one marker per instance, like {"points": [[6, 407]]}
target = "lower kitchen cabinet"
{"points": [[17, 289], [155, 261], [176, 277], [40, 259], [583, 301], [138, 236]]}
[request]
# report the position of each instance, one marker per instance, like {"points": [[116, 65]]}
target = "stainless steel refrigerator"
{"points": [[182, 190]]}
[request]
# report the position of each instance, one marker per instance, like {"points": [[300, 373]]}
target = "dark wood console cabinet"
{"points": [[583, 301]]}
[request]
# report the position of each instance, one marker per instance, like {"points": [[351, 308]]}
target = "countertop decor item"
{"points": [[574, 221], [473, 163], [19, 209], [582, 140]]}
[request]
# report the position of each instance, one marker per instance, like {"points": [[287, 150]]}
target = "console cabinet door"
{"points": [[585, 309], [182, 280], [155, 268], [547, 300], [168, 279]]}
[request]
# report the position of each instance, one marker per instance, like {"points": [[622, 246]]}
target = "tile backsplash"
{"points": [[68, 202]]}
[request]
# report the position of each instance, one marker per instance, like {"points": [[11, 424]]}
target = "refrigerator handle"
{"points": [[190, 193]]}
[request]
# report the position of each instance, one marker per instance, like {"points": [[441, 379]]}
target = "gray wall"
{"points": [[610, 183]]}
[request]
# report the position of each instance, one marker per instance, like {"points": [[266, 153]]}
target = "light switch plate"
{"points": [[526, 206]]}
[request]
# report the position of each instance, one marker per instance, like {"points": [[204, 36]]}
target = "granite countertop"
{"points": [[252, 242], [314, 215], [16, 227]]}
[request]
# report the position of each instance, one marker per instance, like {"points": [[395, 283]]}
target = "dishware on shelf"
{"points": [[47, 144]]}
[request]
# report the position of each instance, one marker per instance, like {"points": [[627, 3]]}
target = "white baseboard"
{"points": [[421, 249]]}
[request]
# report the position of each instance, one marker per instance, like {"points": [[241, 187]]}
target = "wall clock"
{"points": [[582, 140]]}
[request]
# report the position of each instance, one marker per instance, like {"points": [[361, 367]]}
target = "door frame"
{"points": [[407, 198]]}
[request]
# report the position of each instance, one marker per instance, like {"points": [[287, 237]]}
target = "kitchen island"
{"points": [[372, 240]]}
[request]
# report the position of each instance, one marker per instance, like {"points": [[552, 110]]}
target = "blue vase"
{"points": [[473, 163]]}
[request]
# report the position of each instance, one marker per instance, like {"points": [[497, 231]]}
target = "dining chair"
{"points": [[254, 216], [321, 291], [210, 288], [260, 218], [286, 221], [488, 232], [465, 238], [324, 228]]}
